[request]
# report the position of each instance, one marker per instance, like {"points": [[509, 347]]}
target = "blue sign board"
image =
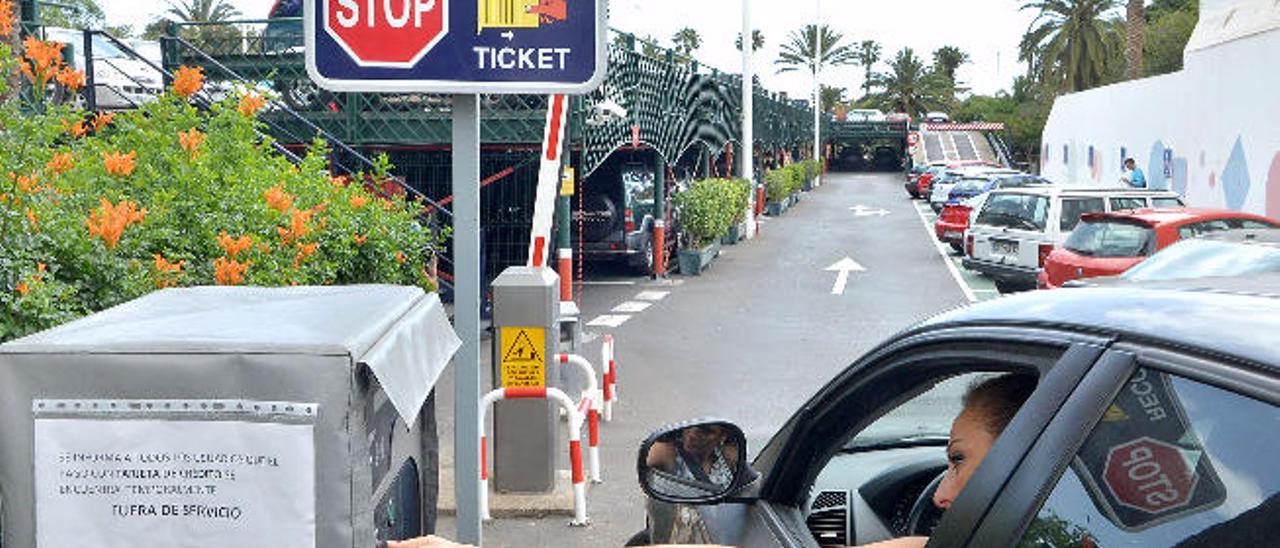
{"points": [[457, 46]]}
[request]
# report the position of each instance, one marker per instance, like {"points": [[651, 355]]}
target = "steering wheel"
{"points": [[924, 515]]}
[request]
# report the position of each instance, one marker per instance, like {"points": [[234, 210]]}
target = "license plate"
{"points": [[952, 235], [1004, 247]]}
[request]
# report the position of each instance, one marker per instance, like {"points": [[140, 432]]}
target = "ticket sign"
{"points": [[457, 46], [524, 357]]}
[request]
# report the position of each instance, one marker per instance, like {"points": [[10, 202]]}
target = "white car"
{"points": [[1017, 228], [866, 115], [120, 79], [937, 118], [943, 184]]}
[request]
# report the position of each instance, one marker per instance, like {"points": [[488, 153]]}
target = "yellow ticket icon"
{"points": [[507, 14]]}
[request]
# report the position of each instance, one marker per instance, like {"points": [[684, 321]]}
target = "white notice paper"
{"points": [[180, 484]]}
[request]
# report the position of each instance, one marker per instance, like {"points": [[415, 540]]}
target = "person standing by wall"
{"points": [[1133, 175]]}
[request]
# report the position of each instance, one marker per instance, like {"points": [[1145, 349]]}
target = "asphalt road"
{"points": [[752, 338]]}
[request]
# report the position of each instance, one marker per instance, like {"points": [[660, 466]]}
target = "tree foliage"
{"points": [[1073, 45], [947, 59], [202, 10], [687, 41], [801, 52], [910, 87], [757, 40], [868, 53], [1169, 27]]}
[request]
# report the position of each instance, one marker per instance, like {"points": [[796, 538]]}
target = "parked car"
{"points": [[1172, 390], [945, 183], [865, 115], [617, 214], [968, 196], [1012, 236], [912, 175], [937, 118], [1107, 244], [925, 184], [120, 80], [1230, 253]]}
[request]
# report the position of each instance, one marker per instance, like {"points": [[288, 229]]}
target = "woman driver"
{"points": [[989, 405]]}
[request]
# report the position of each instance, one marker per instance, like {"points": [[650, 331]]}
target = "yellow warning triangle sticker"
{"points": [[521, 350], [1115, 414]]}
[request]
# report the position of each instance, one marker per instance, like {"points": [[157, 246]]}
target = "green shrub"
{"points": [[168, 195], [707, 209], [781, 182], [739, 192]]}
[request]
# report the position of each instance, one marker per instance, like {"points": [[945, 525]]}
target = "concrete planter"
{"points": [[694, 261], [736, 233], [810, 184], [776, 209]]}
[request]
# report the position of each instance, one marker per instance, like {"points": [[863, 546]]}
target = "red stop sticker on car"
{"points": [[1149, 475]]}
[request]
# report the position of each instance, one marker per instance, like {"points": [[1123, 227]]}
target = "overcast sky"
{"points": [[988, 30]]}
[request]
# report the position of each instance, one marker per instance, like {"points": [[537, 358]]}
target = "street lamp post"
{"points": [[748, 106], [817, 88]]}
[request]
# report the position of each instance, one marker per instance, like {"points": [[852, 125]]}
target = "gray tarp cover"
{"points": [[402, 333]]}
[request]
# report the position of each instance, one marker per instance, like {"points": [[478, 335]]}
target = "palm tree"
{"points": [[687, 41], [868, 53], [802, 50], [202, 10], [947, 59], [1071, 43], [757, 40], [910, 87], [832, 97], [1135, 26]]}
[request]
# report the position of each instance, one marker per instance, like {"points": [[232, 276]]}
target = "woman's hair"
{"points": [[999, 398]]}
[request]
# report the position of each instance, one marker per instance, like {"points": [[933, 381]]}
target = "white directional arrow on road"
{"points": [[843, 268], [864, 211]]}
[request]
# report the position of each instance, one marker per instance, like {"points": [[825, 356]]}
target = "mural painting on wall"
{"points": [[1273, 188]]}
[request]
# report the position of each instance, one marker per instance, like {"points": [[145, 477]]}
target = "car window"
{"points": [[1109, 238], [1203, 258], [1201, 228], [928, 415], [1023, 211], [1127, 202], [1073, 208], [1166, 202], [1173, 462]]}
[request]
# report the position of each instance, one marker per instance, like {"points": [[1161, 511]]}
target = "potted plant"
{"points": [[811, 169], [739, 192], [778, 186], [706, 211], [796, 182]]}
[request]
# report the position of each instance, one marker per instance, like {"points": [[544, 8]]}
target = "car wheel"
{"points": [[1005, 287], [957, 247]]}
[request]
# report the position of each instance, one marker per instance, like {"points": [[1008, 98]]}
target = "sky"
{"points": [[988, 30]]}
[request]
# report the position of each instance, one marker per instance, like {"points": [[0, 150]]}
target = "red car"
{"points": [[1107, 244], [951, 224]]}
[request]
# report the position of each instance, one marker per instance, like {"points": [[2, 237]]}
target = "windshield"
{"points": [[1207, 258], [1111, 239], [928, 415], [1023, 211], [970, 186], [106, 49]]}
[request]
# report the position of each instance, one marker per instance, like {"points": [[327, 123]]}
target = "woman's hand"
{"points": [[425, 542]]}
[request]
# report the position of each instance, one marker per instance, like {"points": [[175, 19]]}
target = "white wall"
{"points": [[1220, 116]]}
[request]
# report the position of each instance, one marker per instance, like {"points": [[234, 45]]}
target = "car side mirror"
{"points": [[699, 462]]}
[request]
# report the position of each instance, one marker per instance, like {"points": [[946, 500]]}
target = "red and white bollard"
{"points": [[589, 406], [610, 373], [575, 445]]}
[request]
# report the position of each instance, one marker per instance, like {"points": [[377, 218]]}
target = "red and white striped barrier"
{"points": [[575, 445], [590, 407], [610, 383]]}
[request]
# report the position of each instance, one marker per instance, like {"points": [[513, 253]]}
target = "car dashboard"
{"points": [[866, 496]]}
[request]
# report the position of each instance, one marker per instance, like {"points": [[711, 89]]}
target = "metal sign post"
{"points": [[463, 47]]}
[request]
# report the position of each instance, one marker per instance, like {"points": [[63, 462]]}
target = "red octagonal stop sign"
{"points": [[1149, 475], [386, 33]]}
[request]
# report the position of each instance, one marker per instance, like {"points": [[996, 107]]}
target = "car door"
{"points": [[892, 375], [1157, 447]]}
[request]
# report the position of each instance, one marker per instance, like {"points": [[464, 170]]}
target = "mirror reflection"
{"points": [[694, 462]]}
